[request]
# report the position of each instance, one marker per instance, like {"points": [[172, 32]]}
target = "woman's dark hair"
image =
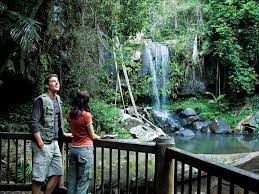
{"points": [[79, 103]]}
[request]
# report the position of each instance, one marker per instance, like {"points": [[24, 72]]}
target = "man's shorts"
{"points": [[46, 161]]}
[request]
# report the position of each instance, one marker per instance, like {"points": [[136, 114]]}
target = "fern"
{"points": [[28, 170], [216, 99], [22, 29]]}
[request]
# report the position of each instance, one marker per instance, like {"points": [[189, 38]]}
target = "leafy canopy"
{"points": [[233, 39]]}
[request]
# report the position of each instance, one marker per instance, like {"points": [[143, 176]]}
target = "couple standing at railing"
{"points": [[47, 127]]}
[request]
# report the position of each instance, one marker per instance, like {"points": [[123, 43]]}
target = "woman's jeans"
{"points": [[80, 169]]}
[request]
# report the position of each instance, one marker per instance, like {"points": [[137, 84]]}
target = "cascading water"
{"points": [[156, 57], [195, 50]]}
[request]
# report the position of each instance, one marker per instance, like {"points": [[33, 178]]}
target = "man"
{"points": [[47, 127]]}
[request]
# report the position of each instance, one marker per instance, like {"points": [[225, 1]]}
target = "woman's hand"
{"points": [[97, 137]]}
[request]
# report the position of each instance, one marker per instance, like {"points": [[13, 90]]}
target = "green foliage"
{"points": [[16, 118], [217, 100], [140, 84], [122, 132], [97, 24], [84, 63], [176, 78], [106, 118], [132, 18], [233, 40], [20, 170], [176, 19], [132, 166], [142, 87], [7, 126], [212, 110], [255, 101], [243, 79], [21, 29], [65, 108], [44, 61], [234, 117], [207, 109], [41, 72], [124, 18], [2, 7], [20, 113]]}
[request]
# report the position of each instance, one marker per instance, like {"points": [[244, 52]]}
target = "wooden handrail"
{"points": [[16, 135], [126, 145]]}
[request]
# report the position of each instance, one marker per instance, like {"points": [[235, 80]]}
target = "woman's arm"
{"points": [[91, 133]]}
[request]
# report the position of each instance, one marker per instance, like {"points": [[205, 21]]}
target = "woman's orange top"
{"points": [[79, 128]]}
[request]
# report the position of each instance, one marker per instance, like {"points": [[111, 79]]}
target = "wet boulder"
{"points": [[187, 112], [219, 126], [185, 132], [128, 121], [203, 126], [167, 121], [144, 133]]}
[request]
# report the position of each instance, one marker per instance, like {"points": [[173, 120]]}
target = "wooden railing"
{"points": [[126, 167], [211, 177], [118, 165], [16, 157], [123, 164]]}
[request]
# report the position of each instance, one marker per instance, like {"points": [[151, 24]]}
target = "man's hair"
{"points": [[46, 81]]}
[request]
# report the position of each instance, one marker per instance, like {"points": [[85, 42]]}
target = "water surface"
{"points": [[203, 143]]}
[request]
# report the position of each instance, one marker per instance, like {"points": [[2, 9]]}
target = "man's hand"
{"points": [[41, 145], [67, 134], [38, 140]]}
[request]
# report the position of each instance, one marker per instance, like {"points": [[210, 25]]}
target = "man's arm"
{"points": [[37, 110], [38, 140]]}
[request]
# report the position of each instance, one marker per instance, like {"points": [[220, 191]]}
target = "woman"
{"points": [[81, 151]]}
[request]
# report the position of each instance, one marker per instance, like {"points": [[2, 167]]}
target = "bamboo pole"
{"points": [[118, 81], [127, 79], [130, 92], [147, 121]]}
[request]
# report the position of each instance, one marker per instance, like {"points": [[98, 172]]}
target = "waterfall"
{"points": [[156, 57], [195, 50]]}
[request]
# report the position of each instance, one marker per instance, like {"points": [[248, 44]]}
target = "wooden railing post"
{"points": [[164, 168]]}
